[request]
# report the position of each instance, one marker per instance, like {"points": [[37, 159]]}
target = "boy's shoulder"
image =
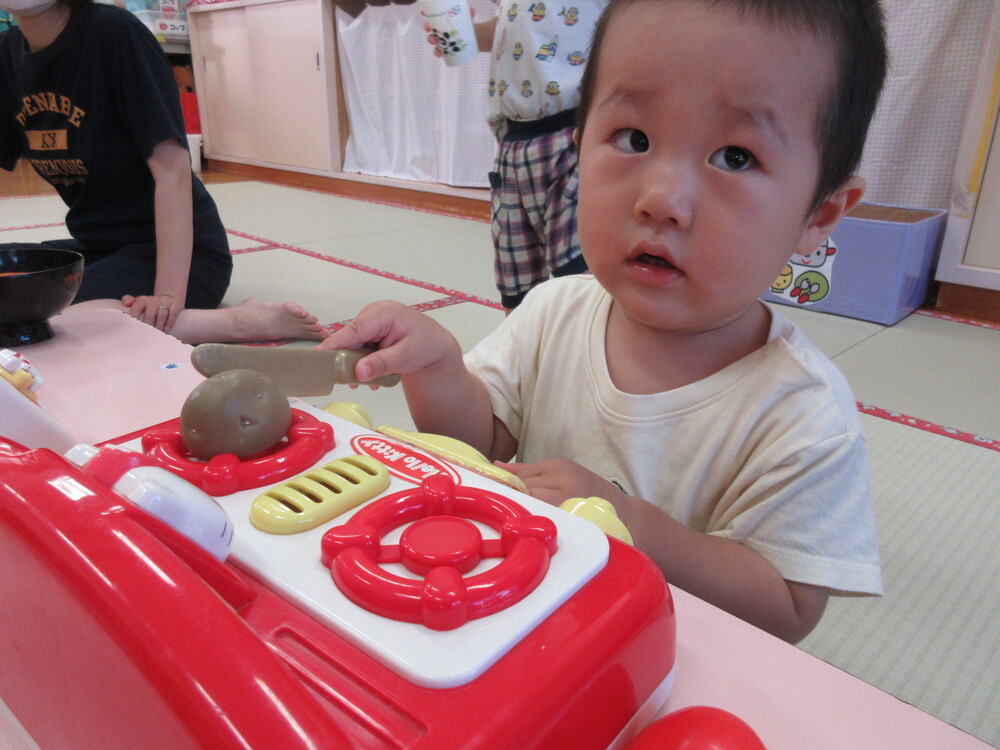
{"points": [[806, 364], [560, 309], [575, 286], [562, 296], [564, 292], [799, 346]]}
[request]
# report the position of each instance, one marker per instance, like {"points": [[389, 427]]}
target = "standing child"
{"points": [[537, 56], [717, 138]]}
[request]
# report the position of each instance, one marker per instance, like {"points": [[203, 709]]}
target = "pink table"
{"points": [[793, 700], [107, 375]]}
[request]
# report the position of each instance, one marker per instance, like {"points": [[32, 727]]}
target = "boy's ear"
{"points": [[829, 213], [576, 137]]}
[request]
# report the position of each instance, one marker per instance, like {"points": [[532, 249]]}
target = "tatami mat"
{"points": [[35, 234], [28, 211], [239, 243], [330, 291], [456, 254], [932, 369], [298, 216], [933, 640], [468, 322]]}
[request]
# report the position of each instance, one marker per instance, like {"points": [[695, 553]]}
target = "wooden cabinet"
{"points": [[266, 78]]}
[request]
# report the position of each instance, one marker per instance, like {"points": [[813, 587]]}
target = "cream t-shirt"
{"points": [[768, 451]]}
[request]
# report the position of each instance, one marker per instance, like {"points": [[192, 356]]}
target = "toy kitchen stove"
{"points": [[374, 596]]}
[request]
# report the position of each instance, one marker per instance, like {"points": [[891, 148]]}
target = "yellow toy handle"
{"points": [[600, 512]]}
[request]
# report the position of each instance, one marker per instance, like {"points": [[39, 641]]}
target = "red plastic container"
{"points": [[192, 120]]}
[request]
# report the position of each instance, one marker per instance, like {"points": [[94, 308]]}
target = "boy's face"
{"points": [[698, 162]]}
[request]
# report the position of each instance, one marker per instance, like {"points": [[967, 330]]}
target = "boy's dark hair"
{"points": [[855, 29]]}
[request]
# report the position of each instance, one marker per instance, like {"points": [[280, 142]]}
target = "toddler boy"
{"points": [[717, 138]]}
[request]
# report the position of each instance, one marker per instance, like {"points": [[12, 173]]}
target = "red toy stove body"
{"points": [[118, 631]]}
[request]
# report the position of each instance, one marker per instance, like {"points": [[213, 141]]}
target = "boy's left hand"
{"points": [[557, 479]]}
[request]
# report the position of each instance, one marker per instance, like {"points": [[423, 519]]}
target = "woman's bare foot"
{"points": [[251, 320], [254, 320]]}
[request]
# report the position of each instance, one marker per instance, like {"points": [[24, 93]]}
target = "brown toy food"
{"points": [[238, 411]]}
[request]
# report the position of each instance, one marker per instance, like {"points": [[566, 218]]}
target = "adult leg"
{"points": [[251, 320], [575, 266], [519, 258], [201, 321], [562, 239], [534, 221], [112, 274], [204, 321]]}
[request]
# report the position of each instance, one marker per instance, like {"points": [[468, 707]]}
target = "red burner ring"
{"points": [[441, 546], [308, 439]]}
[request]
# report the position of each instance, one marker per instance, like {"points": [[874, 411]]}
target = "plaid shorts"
{"points": [[534, 193]]}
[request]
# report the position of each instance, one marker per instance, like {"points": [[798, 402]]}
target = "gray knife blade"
{"points": [[297, 372]]}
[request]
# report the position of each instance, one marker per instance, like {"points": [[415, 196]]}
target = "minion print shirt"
{"points": [[539, 51]]}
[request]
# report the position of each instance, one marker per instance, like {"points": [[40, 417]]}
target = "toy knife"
{"points": [[297, 372]]}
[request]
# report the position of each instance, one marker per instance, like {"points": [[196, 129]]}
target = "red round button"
{"points": [[441, 540]]}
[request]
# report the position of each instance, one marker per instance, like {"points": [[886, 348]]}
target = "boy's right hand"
{"points": [[408, 341]]}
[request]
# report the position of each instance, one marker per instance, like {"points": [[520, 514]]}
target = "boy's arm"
{"points": [[443, 396], [721, 571]]}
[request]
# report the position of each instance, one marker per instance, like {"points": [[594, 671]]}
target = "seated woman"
{"points": [[88, 96]]}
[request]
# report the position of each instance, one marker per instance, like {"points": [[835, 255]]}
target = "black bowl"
{"points": [[35, 284]]}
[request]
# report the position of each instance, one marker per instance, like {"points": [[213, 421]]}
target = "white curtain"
{"points": [[935, 47], [411, 116], [414, 118]]}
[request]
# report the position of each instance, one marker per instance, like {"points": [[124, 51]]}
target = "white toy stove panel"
{"points": [[291, 565]]}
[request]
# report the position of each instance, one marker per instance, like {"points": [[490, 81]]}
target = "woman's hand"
{"points": [[158, 310]]}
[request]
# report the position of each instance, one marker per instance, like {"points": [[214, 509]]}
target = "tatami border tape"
{"points": [[921, 424]]}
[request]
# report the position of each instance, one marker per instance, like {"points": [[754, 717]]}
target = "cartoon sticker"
{"points": [[807, 279]]}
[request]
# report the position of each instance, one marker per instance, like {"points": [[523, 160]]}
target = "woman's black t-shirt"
{"points": [[87, 111]]}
